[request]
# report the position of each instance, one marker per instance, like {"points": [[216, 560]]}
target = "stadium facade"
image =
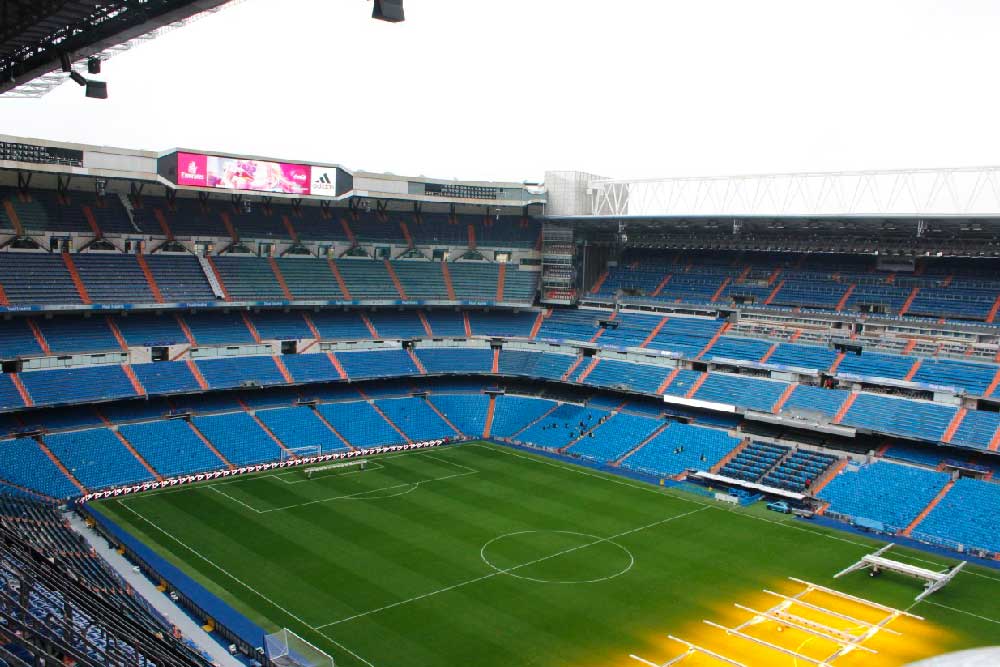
{"points": [[183, 315]]}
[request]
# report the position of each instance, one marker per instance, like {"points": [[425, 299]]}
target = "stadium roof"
{"points": [[964, 192], [35, 33]]}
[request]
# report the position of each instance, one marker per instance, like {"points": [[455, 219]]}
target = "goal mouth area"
{"points": [[284, 648], [304, 452], [339, 468]]}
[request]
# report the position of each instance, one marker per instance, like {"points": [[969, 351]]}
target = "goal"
{"points": [[286, 649], [301, 452], [360, 464]]}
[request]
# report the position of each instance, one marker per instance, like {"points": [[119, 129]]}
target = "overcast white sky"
{"points": [[506, 89]]}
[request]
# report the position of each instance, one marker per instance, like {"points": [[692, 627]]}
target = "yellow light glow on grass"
{"points": [[901, 641]]}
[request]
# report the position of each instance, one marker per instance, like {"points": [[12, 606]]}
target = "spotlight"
{"points": [[388, 10], [94, 65], [97, 90]]}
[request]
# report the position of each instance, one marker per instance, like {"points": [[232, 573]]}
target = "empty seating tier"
{"points": [[679, 447], [886, 492]]}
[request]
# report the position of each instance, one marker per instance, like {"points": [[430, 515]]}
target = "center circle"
{"points": [[557, 557]]}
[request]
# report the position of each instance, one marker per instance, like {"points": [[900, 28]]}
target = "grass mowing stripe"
{"points": [[960, 611], [389, 565], [827, 533], [507, 570], [244, 584]]}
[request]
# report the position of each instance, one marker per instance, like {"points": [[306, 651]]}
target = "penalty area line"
{"points": [[246, 585]]}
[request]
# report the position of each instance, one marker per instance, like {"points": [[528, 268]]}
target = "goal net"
{"points": [[286, 649], [345, 466], [301, 452]]}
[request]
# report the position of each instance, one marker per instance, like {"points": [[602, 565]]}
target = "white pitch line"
{"points": [[258, 476], [235, 500], [409, 486], [962, 611], [375, 465], [651, 489], [497, 573], [244, 584], [412, 486], [607, 477]]}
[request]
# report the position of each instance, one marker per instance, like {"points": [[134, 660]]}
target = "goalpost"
{"points": [[361, 464], [286, 649], [301, 452]]}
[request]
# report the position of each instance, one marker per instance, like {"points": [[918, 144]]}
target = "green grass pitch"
{"points": [[478, 554]]}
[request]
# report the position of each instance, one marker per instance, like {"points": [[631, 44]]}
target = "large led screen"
{"points": [[213, 171]]}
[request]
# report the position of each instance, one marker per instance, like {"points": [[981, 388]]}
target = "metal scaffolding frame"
{"points": [[965, 191], [845, 641]]}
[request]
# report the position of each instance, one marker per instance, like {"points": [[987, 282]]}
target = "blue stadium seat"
{"points": [[97, 458], [466, 411], [300, 427], [165, 377], [455, 359], [415, 418], [565, 424], [680, 447], [390, 363], [77, 385], [887, 492], [615, 437], [238, 438], [966, 515], [898, 416], [171, 447], [24, 463], [360, 424], [513, 413], [228, 372]]}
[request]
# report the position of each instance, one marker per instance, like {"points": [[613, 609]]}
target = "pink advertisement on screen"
{"points": [[192, 169], [258, 175]]}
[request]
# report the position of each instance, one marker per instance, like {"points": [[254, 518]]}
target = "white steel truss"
{"points": [[44, 82], [933, 580], [971, 191]]}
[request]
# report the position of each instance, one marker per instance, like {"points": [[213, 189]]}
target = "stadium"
{"points": [[264, 410]]}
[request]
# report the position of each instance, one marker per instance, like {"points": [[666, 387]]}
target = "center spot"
{"points": [[557, 557]]}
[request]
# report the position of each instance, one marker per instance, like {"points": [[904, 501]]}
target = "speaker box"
{"points": [[388, 10]]}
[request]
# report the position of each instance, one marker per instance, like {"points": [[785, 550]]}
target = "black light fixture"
{"points": [[97, 90], [388, 10]]}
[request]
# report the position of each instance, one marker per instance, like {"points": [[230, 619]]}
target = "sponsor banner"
{"points": [[198, 477], [323, 181], [192, 169]]}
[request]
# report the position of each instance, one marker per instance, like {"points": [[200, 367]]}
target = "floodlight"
{"points": [[388, 10]]}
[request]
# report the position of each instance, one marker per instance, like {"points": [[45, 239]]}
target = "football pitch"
{"points": [[479, 554]]}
